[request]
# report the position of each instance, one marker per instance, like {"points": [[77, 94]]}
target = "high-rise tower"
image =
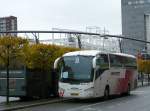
{"points": [[135, 24]]}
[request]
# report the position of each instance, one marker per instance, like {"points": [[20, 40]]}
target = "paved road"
{"points": [[139, 100]]}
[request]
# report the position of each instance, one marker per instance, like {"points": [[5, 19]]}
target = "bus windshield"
{"points": [[76, 69]]}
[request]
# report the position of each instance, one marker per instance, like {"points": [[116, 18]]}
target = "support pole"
{"points": [[7, 68], [79, 41]]}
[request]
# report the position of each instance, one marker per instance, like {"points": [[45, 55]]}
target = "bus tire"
{"points": [[106, 93], [128, 90], [25, 98]]}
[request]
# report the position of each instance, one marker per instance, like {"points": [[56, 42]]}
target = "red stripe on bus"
{"points": [[122, 85]]}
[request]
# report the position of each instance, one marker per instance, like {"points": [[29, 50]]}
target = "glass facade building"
{"points": [[135, 24]]}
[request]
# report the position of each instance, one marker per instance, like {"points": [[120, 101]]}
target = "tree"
{"points": [[42, 56], [11, 55], [15, 48], [143, 67]]}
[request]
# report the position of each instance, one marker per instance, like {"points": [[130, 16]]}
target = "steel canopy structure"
{"points": [[77, 33], [74, 32]]}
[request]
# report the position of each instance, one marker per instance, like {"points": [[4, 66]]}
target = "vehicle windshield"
{"points": [[76, 69]]}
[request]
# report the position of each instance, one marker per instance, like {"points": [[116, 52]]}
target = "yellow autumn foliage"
{"points": [[143, 66], [14, 48], [42, 56], [33, 56]]}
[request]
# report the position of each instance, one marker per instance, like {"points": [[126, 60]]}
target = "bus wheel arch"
{"points": [[107, 92]]}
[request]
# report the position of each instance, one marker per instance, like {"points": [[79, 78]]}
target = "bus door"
{"points": [[102, 65]]}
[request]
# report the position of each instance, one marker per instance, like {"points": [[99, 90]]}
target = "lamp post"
{"points": [[7, 70]]}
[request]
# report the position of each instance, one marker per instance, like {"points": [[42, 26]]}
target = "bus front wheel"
{"points": [[106, 93]]}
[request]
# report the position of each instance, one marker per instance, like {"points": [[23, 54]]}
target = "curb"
{"points": [[33, 105]]}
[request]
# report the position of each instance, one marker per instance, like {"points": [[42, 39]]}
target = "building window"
{"points": [[129, 3], [141, 2], [137, 2]]}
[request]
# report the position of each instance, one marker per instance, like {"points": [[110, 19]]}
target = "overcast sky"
{"points": [[65, 14]]}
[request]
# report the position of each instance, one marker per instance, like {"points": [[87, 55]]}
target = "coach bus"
{"points": [[91, 74]]}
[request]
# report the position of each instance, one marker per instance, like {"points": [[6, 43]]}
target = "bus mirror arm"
{"points": [[56, 63]]}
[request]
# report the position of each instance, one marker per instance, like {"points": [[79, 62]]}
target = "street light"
{"points": [[7, 69]]}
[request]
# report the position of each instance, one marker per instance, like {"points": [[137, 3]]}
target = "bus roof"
{"points": [[94, 53], [84, 53], [125, 55]]}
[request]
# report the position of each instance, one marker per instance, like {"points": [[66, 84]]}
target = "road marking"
{"points": [[86, 106], [110, 107], [118, 104], [126, 102], [139, 92], [90, 105], [89, 109]]}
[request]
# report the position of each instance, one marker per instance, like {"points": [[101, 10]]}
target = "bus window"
{"points": [[76, 69], [116, 61], [102, 61], [102, 64], [130, 62]]}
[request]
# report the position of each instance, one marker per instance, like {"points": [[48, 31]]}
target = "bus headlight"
{"points": [[61, 89], [61, 92]]}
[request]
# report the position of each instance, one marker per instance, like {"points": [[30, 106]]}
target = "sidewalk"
{"points": [[3, 99], [20, 105], [145, 83]]}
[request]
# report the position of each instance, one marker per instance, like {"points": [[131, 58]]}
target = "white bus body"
{"points": [[90, 74]]}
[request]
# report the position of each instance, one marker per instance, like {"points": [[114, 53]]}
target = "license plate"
{"points": [[74, 94]]}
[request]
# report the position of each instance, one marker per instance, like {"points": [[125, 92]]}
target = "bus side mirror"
{"points": [[94, 62], [56, 63]]}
